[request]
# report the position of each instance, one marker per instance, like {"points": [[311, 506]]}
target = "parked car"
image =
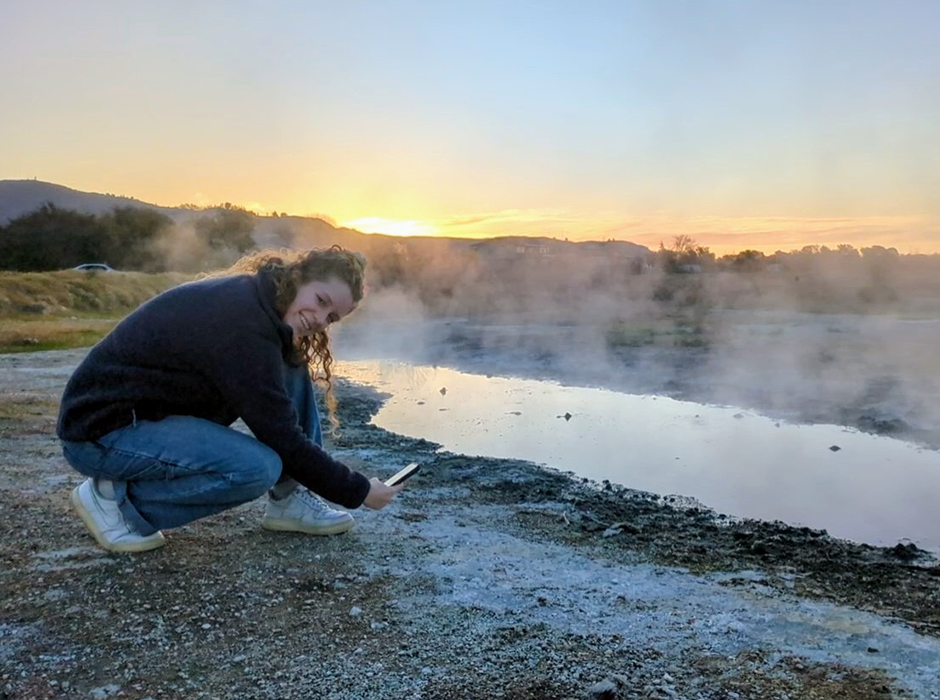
{"points": [[96, 267]]}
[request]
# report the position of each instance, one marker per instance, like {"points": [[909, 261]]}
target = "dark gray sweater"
{"points": [[214, 349]]}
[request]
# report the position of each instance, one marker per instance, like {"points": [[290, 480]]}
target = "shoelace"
{"points": [[312, 500]]}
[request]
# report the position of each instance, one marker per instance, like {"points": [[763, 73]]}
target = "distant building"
{"points": [[532, 250]]}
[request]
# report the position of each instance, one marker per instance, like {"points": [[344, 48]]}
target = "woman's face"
{"points": [[318, 304]]}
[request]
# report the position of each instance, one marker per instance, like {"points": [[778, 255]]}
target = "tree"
{"points": [[684, 253], [228, 227], [51, 238], [131, 234], [746, 261]]}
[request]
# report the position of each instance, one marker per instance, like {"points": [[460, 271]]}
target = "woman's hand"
{"points": [[380, 495]]}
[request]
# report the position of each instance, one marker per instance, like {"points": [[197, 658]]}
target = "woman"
{"points": [[146, 414]]}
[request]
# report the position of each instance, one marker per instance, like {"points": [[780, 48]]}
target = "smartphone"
{"points": [[404, 474]]}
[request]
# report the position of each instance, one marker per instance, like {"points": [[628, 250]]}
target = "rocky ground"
{"points": [[486, 579]]}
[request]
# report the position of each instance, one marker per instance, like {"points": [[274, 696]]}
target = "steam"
{"points": [[833, 339], [181, 249]]}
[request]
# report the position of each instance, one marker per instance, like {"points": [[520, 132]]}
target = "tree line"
{"points": [[126, 238], [685, 255]]}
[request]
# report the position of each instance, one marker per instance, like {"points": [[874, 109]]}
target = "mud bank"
{"points": [[486, 579]]}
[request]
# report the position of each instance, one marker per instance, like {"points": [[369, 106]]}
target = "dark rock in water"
{"points": [[739, 416], [882, 426], [567, 416], [905, 552], [834, 448]]}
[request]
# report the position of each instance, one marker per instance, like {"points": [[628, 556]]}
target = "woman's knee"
{"points": [[257, 474]]}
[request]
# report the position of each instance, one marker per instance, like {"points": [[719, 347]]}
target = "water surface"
{"points": [[871, 489]]}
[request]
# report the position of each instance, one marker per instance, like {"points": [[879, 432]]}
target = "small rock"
{"points": [[604, 690], [834, 448], [443, 390], [355, 611], [617, 528], [567, 416], [105, 691]]}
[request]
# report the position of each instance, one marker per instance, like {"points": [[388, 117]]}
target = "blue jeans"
{"points": [[170, 472]]}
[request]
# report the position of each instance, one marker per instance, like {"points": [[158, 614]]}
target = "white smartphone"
{"points": [[404, 474]]}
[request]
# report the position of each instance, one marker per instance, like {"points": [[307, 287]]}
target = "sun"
{"points": [[391, 227]]}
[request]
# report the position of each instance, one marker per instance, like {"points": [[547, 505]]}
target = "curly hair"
{"points": [[290, 270]]}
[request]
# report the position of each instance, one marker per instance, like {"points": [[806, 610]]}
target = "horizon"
{"points": [[653, 248], [757, 126]]}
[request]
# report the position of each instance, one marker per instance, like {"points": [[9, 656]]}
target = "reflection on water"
{"points": [[871, 489]]}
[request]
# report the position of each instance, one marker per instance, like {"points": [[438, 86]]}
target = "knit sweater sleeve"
{"points": [[250, 379]]}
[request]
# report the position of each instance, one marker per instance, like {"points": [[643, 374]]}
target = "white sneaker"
{"points": [[106, 522], [304, 511]]}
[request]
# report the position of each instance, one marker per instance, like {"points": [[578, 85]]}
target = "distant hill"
{"points": [[509, 246], [18, 197]]}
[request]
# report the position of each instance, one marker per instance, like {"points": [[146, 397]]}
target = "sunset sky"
{"points": [[745, 124]]}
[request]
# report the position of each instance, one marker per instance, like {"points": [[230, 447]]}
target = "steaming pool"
{"points": [[872, 489]]}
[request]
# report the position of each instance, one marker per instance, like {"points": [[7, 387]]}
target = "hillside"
{"points": [[18, 197]]}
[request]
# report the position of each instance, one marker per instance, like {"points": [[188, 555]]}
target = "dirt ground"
{"points": [[486, 579]]}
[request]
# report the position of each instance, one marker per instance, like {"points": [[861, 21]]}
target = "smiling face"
{"points": [[318, 304]]}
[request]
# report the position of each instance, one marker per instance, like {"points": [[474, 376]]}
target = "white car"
{"points": [[96, 267]]}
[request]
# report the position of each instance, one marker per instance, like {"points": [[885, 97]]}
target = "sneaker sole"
{"points": [[99, 538], [280, 525]]}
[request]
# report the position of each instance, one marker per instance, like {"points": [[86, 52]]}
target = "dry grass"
{"points": [[30, 335], [67, 309], [70, 292]]}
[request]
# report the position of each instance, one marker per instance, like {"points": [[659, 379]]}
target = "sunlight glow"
{"points": [[391, 227]]}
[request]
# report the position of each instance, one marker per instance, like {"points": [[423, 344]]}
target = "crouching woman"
{"points": [[147, 415]]}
